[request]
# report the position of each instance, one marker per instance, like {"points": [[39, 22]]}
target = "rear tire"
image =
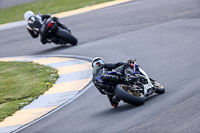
{"points": [[67, 36], [127, 97]]}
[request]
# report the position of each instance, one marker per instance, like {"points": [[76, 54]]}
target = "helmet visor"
{"points": [[95, 63]]}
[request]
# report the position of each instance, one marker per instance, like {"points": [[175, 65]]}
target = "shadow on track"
{"points": [[150, 97], [123, 107], [113, 111], [53, 49]]}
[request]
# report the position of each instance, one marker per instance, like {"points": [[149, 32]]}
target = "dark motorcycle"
{"points": [[135, 91], [57, 34]]}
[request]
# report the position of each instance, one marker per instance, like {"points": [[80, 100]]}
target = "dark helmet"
{"points": [[131, 62]]}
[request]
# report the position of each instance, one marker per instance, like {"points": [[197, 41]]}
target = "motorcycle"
{"points": [[62, 35], [135, 91]]}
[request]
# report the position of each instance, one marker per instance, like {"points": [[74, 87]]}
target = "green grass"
{"points": [[45, 7], [21, 83]]}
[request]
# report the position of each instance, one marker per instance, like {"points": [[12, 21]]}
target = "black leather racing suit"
{"points": [[105, 83], [33, 27]]}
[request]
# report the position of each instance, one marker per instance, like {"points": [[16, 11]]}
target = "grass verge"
{"points": [[16, 13], [21, 83]]}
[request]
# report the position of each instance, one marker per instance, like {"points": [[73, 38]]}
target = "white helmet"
{"points": [[28, 14], [97, 60]]}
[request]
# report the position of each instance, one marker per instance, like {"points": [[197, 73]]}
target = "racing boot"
{"points": [[54, 39]]}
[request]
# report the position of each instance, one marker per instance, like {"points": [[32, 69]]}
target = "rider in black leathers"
{"points": [[105, 81], [34, 23]]}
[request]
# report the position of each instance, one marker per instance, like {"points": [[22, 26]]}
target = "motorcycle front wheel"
{"points": [[159, 88], [67, 36], [129, 95]]}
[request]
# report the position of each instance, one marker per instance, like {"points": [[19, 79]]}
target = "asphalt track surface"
{"points": [[10, 3], [162, 35]]}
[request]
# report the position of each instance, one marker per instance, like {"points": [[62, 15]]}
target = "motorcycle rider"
{"points": [[34, 23], [105, 82]]}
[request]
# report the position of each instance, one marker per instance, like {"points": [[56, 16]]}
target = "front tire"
{"points": [[67, 36], [159, 88], [122, 92]]}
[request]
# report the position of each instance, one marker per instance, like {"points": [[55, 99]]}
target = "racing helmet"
{"points": [[131, 62], [28, 14], [97, 60]]}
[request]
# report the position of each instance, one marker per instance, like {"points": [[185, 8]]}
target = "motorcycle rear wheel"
{"points": [[136, 98], [67, 36]]}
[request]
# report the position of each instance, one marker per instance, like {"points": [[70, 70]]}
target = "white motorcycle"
{"points": [[136, 91]]}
